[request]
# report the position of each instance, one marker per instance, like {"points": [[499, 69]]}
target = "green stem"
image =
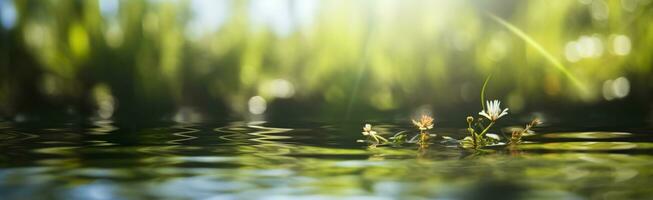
{"points": [[474, 140], [382, 138], [471, 132], [422, 136], [486, 129], [487, 79], [376, 139]]}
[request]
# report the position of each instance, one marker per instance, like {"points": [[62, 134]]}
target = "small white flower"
{"points": [[367, 130], [493, 110]]}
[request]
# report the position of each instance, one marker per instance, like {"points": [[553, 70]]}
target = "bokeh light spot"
{"points": [[8, 14], [571, 52], [599, 10], [621, 45], [114, 35], [208, 16], [104, 101], [109, 8], [279, 88], [621, 87], [257, 105], [78, 40]]}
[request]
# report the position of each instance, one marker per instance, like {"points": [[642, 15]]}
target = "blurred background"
{"points": [[201, 60]]}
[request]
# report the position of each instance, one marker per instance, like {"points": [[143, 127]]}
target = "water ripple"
{"points": [[268, 160]]}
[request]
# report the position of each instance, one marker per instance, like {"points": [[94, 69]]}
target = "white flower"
{"points": [[367, 130], [493, 110]]}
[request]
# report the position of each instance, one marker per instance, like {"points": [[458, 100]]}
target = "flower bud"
{"points": [[470, 119], [536, 122]]}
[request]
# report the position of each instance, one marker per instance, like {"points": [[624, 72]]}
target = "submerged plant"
{"points": [[373, 135]]}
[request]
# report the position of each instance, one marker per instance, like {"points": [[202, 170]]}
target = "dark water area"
{"points": [[311, 160]]}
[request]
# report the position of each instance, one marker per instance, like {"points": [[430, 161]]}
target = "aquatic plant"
{"points": [[399, 138], [424, 123], [479, 139], [478, 129], [516, 135], [373, 135]]}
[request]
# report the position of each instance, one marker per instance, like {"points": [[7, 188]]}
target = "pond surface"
{"points": [[307, 160]]}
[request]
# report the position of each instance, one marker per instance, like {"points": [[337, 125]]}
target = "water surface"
{"points": [[262, 160]]}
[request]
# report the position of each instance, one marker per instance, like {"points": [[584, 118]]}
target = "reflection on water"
{"points": [[589, 135], [103, 160]]}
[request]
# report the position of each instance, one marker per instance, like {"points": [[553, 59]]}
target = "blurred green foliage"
{"points": [[332, 57]]}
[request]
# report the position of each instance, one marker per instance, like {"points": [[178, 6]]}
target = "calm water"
{"points": [[256, 160]]}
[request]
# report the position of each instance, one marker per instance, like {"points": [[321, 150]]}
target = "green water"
{"points": [[307, 160]]}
